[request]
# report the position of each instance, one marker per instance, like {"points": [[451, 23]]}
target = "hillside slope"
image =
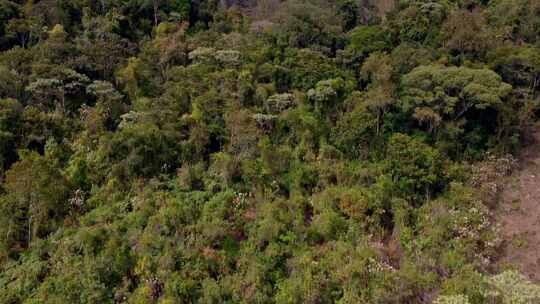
{"points": [[520, 214]]}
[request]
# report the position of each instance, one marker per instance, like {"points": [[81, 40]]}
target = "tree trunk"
{"points": [[29, 230], [156, 10]]}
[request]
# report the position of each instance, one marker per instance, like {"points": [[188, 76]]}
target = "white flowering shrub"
{"points": [[454, 299], [325, 90], [458, 222], [265, 122], [488, 175], [229, 57], [280, 102], [473, 225], [130, 118], [202, 54], [511, 287]]}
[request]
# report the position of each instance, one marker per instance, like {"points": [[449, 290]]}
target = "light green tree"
{"points": [[435, 92]]}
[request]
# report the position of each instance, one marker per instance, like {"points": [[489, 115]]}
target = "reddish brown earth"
{"points": [[520, 214], [385, 6]]}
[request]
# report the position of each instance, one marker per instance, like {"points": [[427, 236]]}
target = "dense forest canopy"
{"points": [[261, 151]]}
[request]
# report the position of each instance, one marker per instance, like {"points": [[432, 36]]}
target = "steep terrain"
{"points": [[520, 214], [268, 151]]}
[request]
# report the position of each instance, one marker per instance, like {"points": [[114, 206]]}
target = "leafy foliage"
{"points": [[299, 151]]}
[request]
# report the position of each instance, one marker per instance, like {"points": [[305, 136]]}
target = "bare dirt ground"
{"points": [[385, 6], [520, 213]]}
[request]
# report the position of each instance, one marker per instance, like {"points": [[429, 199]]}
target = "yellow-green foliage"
{"points": [[272, 151], [457, 299], [511, 287]]}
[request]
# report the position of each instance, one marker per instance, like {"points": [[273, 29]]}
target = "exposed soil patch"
{"points": [[385, 6], [520, 213]]}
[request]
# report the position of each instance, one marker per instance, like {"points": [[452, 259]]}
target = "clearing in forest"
{"points": [[520, 213]]}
